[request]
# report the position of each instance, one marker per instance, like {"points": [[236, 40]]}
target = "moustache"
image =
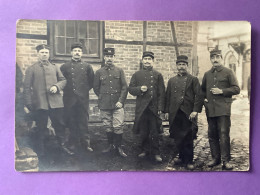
{"points": [[215, 62]]}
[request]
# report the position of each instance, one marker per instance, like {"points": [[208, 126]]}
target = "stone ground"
{"points": [[97, 161]]}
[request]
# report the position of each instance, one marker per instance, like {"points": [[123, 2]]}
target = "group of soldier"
{"points": [[180, 103]]}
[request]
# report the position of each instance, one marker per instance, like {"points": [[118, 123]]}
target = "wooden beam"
{"points": [[174, 38], [156, 43], [144, 35], [31, 36]]}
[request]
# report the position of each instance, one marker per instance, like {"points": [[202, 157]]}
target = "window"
{"points": [[64, 33]]}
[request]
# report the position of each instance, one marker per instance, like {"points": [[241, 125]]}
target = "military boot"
{"points": [[110, 139], [118, 143], [86, 144], [227, 165], [63, 146], [213, 162]]}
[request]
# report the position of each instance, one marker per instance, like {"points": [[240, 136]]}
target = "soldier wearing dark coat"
{"points": [[148, 85], [218, 86], [79, 76], [111, 88], [183, 102], [42, 86]]}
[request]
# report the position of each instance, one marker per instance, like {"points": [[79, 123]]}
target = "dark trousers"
{"points": [[76, 118], [149, 132], [219, 140], [41, 119], [182, 134]]}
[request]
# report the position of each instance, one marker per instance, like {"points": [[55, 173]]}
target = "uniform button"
{"points": [[151, 86], [74, 89], [111, 87], [214, 100], [110, 81], [110, 75], [112, 94], [214, 85], [175, 91]]}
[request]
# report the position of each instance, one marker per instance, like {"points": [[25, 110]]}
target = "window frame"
{"points": [[66, 57]]}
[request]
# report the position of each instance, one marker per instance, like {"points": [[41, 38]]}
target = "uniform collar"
{"points": [[217, 68], [183, 74], [147, 68], [112, 66], [75, 60], [42, 63]]}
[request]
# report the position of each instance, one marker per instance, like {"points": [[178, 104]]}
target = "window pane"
{"points": [[59, 28], [92, 29], [69, 42], [82, 29], [85, 46], [70, 29], [93, 46], [60, 45]]}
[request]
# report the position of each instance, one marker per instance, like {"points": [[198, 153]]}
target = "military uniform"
{"points": [[39, 78], [147, 106], [110, 86], [183, 96], [218, 108], [79, 76]]}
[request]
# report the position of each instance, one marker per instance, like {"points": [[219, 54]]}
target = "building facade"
{"points": [[166, 39]]}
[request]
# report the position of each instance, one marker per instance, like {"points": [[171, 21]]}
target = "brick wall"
{"points": [[128, 53], [124, 30], [35, 27], [159, 31]]}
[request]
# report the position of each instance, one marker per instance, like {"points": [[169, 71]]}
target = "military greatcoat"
{"points": [[223, 78], [154, 97]]}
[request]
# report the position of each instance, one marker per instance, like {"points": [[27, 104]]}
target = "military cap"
{"points": [[109, 51], [76, 45], [42, 46], [215, 52], [148, 53], [182, 58]]}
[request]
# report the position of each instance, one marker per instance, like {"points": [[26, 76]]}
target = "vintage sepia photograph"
{"points": [[132, 95]]}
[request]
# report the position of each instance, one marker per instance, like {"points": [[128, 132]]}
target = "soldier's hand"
{"points": [[193, 115], [166, 116], [216, 91], [119, 105], [159, 112], [143, 88], [28, 108], [53, 89]]}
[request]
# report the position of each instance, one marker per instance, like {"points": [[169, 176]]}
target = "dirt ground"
{"points": [[98, 161]]}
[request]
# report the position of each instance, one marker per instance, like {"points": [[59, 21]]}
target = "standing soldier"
{"points": [[183, 102], [148, 85], [42, 86], [111, 88], [79, 77], [218, 85]]}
